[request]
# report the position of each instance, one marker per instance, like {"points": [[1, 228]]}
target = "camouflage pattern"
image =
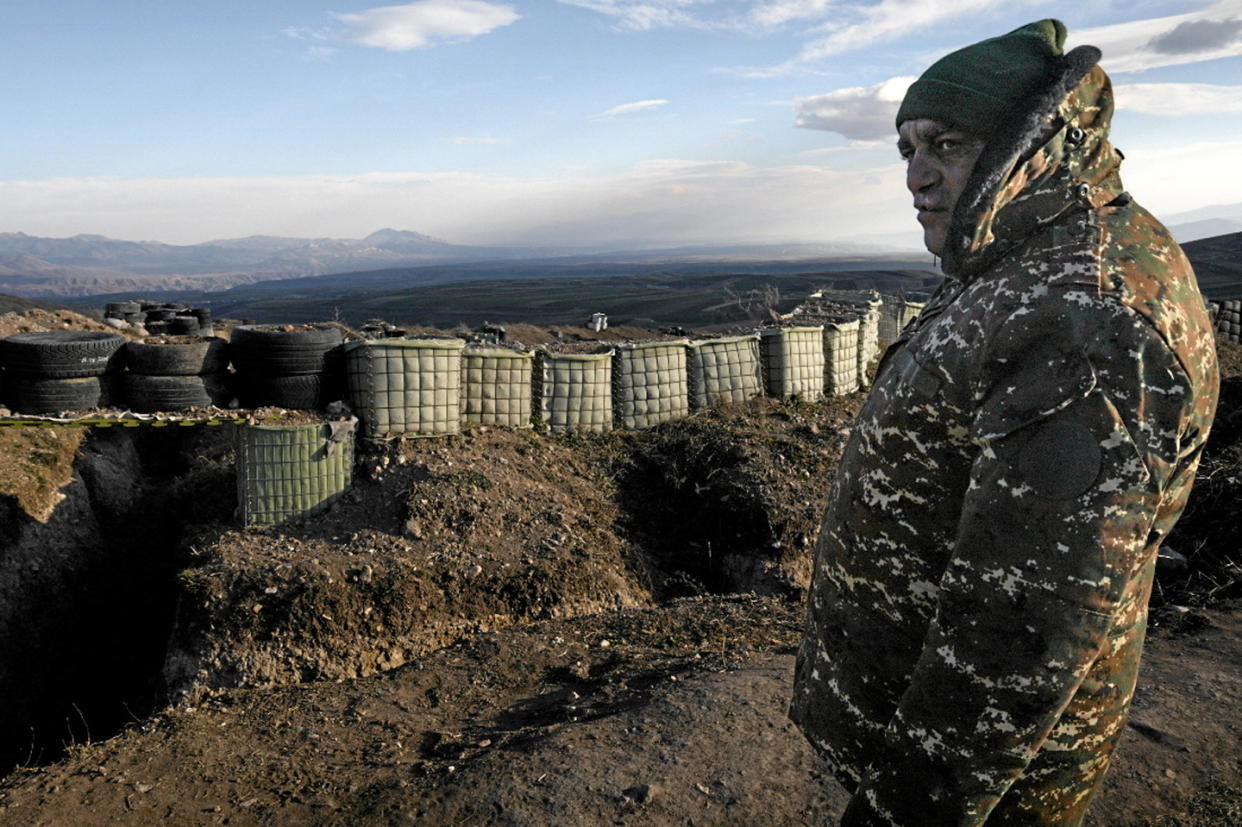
{"points": [[981, 579]]}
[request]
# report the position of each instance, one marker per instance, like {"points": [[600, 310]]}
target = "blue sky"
{"points": [[581, 122]]}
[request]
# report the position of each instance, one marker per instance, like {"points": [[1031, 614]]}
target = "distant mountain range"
{"points": [[89, 264], [1205, 222], [85, 265]]}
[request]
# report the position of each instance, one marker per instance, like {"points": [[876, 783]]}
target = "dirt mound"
{"points": [[38, 321], [444, 537]]}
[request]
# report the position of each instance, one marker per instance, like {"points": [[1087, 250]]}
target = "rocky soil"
{"points": [[506, 627]]}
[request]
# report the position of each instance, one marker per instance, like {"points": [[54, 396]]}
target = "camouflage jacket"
{"points": [[983, 569]]}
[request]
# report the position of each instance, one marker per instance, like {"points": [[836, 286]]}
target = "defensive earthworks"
{"points": [[272, 620]]}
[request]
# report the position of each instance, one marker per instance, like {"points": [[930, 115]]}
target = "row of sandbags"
{"points": [[429, 386], [425, 387]]}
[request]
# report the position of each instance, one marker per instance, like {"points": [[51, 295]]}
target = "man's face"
{"points": [[939, 160]]}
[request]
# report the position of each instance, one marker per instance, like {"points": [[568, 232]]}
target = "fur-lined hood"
{"points": [[1051, 159]]}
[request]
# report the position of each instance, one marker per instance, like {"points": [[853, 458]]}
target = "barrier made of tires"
{"points": [[650, 383], [286, 471], [575, 391], [61, 354], [295, 367], [38, 395], [723, 371], [59, 370], [841, 357], [793, 361], [405, 386], [497, 387], [191, 357], [149, 394], [175, 375]]}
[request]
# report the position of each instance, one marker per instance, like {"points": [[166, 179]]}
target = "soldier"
{"points": [[981, 579]]}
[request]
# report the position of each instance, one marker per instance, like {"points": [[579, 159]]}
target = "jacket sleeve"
{"points": [[1075, 437]]}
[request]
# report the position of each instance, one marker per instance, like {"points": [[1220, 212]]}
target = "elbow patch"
{"points": [[1061, 459], [1082, 449]]}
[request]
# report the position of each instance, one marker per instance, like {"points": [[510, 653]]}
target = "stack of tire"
{"points": [[59, 370], [128, 312], [157, 319], [175, 375], [1229, 321], [298, 367]]}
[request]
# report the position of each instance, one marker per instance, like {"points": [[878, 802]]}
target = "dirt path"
{"points": [[660, 716]]}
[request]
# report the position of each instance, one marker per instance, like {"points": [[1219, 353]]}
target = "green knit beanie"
{"points": [[972, 88]]}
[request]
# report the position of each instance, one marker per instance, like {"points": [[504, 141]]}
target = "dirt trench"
{"points": [[439, 539], [92, 524]]}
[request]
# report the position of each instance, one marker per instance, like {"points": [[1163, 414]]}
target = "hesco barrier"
{"points": [[895, 314], [868, 342], [497, 387], [1229, 320], [724, 370], [793, 361], [286, 471], [650, 383], [840, 358], [406, 386], [576, 391]]}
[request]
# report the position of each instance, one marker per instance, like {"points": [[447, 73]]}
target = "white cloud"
{"points": [[482, 140], [852, 146], [629, 108], [777, 12], [861, 113], [877, 23], [415, 25], [1207, 34], [1178, 99], [739, 15], [644, 14], [319, 53], [306, 33]]}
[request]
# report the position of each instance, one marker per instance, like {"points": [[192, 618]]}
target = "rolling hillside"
{"points": [[1218, 264]]}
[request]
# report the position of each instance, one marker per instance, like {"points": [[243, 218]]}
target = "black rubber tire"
{"points": [[119, 309], [286, 352], [160, 314], [32, 395], [148, 394], [207, 355], [61, 354], [183, 325], [299, 392]]}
